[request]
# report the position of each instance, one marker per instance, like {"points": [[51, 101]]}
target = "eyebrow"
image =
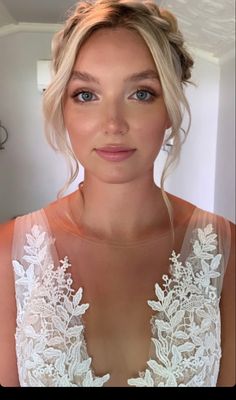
{"points": [[148, 74]]}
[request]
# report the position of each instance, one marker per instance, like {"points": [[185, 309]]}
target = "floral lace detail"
{"points": [[50, 345], [186, 329]]}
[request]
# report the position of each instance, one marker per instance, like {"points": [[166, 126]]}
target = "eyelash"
{"points": [[78, 92]]}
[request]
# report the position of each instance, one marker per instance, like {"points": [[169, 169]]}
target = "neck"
{"points": [[130, 210]]}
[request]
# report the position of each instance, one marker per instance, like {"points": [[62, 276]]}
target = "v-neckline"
{"points": [[153, 316]]}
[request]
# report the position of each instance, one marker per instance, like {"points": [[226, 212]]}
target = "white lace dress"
{"points": [[50, 345]]}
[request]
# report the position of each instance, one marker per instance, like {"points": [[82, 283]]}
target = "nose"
{"points": [[115, 122]]}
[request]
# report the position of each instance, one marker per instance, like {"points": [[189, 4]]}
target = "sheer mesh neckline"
{"points": [[185, 325], [117, 243]]}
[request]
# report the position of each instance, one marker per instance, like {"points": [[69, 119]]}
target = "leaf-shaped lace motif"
{"points": [[186, 330], [50, 345]]}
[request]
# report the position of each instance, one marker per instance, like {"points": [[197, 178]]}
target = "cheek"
{"points": [[153, 120], [78, 127], [82, 136], [152, 130]]}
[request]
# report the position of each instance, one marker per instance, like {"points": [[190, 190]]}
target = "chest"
{"points": [[102, 336], [117, 282], [117, 285]]}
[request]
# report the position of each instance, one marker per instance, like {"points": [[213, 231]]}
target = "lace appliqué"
{"points": [[50, 346], [186, 329]]}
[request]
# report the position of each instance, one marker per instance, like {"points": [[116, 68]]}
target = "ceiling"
{"points": [[208, 25]]}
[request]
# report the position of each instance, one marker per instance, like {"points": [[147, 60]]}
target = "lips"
{"points": [[115, 149], [115, 153]]}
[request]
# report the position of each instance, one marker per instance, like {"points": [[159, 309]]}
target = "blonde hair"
{"points": [[159, 29]]}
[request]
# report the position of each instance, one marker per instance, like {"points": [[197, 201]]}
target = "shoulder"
{"points": [[8, 365], [225, 230], [229, 278], [6, 271], [184, 210], [228, 334], [6, 239], [64, 212]]}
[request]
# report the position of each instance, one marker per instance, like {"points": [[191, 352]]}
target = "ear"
{"points": [[168, 123]]}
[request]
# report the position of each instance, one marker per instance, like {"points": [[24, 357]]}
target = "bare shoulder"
{"points": [[227, 371], [227, 367], [182, 209], [8, 367], [6, 239], [6, 272]]}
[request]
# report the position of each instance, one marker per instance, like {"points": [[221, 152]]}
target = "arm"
{"points": [[227, 366], [8, 364]]}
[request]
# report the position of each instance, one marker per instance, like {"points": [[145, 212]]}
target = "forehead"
{"points": [[117, 44]]}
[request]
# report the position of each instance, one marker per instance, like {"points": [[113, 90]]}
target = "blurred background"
{"points": [[31, 173]]}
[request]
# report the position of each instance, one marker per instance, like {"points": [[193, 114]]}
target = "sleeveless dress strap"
{"points": [[32, 250], [25, 225], [208, 232]]}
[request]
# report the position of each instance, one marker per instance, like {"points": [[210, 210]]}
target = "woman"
{"points": [[96, 302]]}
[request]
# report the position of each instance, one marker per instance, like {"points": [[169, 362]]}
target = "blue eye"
{"points": [[144, 91], [86, 98]]}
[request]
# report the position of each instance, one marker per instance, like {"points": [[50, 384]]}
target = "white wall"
{"points": [[31, 173], [225, 166], [194, 177]]}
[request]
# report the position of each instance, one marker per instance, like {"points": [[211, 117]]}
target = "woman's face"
{"points": [[116, 109]]}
